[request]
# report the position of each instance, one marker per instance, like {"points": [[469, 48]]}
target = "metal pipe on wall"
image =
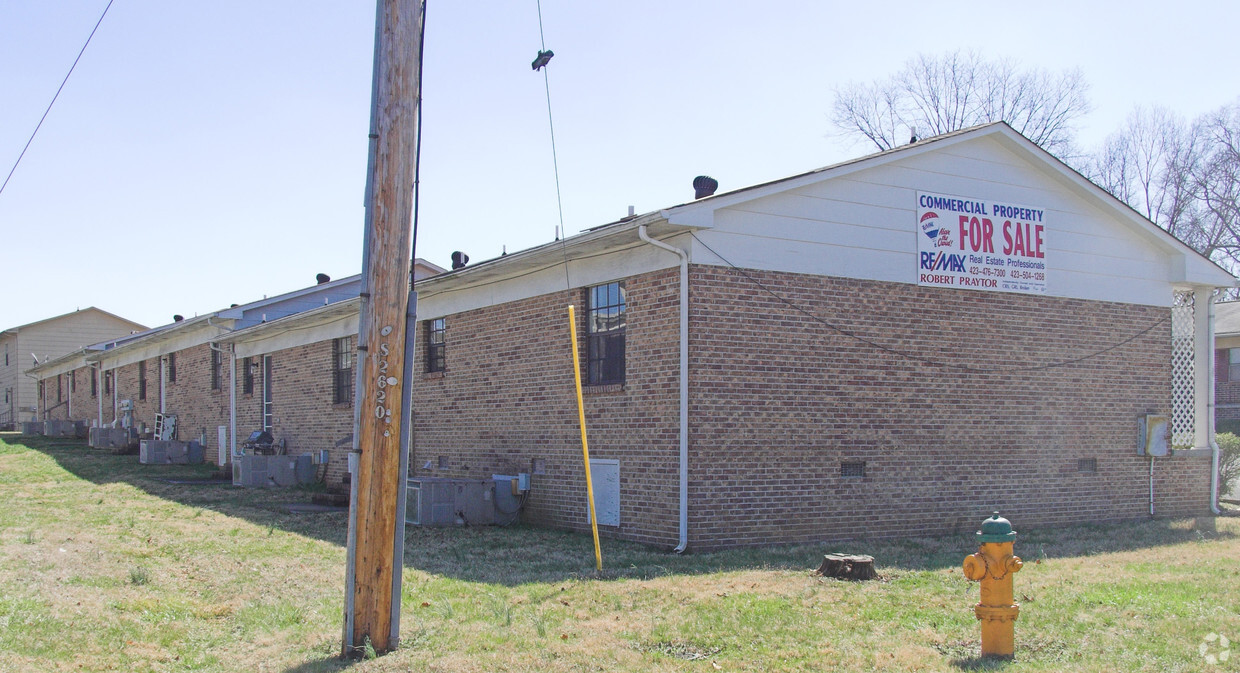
{"points": [[684, 383]]}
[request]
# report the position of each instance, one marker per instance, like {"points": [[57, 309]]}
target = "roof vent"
{"points": [[459, 260], [323, 278], [704, 186], [178, 318], [233, 305]]}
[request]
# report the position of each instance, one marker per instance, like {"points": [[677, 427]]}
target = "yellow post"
{"points": [[585, 446], [993, 565]]}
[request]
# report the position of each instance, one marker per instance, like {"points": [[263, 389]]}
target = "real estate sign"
{"points": [[980, 244]]}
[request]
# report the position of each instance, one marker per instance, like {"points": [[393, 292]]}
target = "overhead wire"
{"points": [[57, 95], [912, 356], [417, 143], [555, 162]]}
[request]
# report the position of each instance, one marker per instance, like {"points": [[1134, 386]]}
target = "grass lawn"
{"points": [[105, 565]]}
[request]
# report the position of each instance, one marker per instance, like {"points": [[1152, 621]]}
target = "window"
{"points": [[216, 365], [60, 394], [172, 368], [605, 333], [142, 380], [94, 384], [1233, 364], [436, 334], [342, 370], [73, 381], [107, 383], [247, 376]]}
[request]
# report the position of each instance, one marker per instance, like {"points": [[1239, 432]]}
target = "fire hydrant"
{"points": [[994, 564]]}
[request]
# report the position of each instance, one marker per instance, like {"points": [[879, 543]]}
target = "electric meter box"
{"points": [[1153, 435]]}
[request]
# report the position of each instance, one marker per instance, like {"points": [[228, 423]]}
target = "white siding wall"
{"points": [[863, 225], [55, 338]]}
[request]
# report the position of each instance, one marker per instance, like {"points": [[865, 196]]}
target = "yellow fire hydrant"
{"points": [[994, 564]]}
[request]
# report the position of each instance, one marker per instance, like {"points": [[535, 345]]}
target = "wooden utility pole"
{"points": [[381, 430]]}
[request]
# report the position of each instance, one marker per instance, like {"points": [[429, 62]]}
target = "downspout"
{"points": [[221, 458], [163, 384], [684, 383], [220, 455], [97, 369], [232, 409], [1214, 450]]}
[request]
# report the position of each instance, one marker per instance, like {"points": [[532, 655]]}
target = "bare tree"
{"points": [[934, 95], [1184, 177]]}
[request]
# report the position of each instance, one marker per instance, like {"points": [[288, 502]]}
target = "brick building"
{"points": [[894, 345], [1227, 360], [189, 369], [889, 346]]}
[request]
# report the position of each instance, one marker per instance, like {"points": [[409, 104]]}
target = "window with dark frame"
{"points": [[215, 368], [73, 381], [605, 322], [94, 384], [342, 370], [172, 368], [107, 383], [247, 376], [436, 344], [142, 380], [60, 393]]}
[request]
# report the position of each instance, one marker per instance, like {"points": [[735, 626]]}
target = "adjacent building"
{"points": [[25, 346]]}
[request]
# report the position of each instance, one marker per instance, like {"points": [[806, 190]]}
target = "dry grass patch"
{"points": [[109, 567]]}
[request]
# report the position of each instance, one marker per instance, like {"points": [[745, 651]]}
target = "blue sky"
{"points": [[210, 153]]}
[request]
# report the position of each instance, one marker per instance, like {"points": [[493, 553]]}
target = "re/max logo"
{"points": [[940, 261]]}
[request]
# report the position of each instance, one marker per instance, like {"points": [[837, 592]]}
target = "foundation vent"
{"points": [[1087, 465], [852, 468]]}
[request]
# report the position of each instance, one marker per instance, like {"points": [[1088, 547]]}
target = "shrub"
{"points": [[1228, 462]]}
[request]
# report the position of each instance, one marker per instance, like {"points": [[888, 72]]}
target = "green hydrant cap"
{"points": [[996, 529]]}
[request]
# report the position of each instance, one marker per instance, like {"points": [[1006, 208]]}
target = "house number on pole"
{"points": [[384, 381]]}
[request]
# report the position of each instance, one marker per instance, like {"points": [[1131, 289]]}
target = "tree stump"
{"points": [[847, 567]]}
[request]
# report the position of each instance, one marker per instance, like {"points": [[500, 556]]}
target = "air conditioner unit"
{"points": [[440, 501]]}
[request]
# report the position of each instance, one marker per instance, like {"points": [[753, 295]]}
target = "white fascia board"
{"points": [[621, 256], [163, 343], [331, 322], [598, 242], [300, 336], [1190, 267], [61, 365]]}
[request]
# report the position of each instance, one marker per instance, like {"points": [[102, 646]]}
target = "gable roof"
{"points": [[1197, 269], [88, 309]]}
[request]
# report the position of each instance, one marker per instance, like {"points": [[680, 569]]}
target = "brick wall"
{"points": [[199, 409], [507, 399], [1226, 390], [778, 400], [304, 414], [85, 406], [53, 406]]}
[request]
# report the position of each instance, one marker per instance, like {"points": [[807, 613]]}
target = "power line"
{"points": [[540, 63], [912, 356], [58, 90]]}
